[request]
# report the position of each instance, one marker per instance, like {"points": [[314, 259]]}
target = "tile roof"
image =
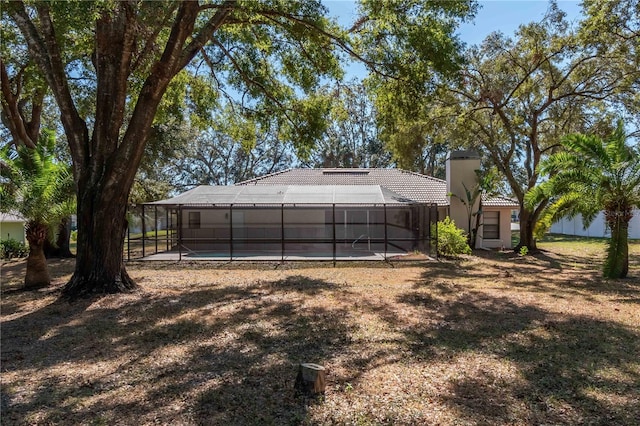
{"points": [[13, 217], [500, 201], [413, 186], [340, 186], [410, 185]]}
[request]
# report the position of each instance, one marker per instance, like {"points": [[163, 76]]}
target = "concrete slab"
{"points": [[172, 256]]}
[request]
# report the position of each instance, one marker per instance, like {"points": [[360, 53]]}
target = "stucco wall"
{"points": [[505, 230], [14, 230], [461, 169]]}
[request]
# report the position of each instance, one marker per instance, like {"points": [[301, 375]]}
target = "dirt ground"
{"points": [[493, 338]]}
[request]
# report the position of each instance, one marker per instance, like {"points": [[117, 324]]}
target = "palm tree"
{"points": [[592, 175], [41, 190]]}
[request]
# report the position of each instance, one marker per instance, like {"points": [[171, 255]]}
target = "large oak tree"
{"points": [[412, 41], [351, 138], [109, 65], [128, 53], [518, 96]]}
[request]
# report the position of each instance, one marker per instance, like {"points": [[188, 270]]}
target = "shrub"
{"points": [[11, 248], [452, 241]]}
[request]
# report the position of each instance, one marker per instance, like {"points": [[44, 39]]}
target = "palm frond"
{"points": [[35, 185], [590, 176]]}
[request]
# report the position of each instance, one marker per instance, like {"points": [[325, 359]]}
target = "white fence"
{"points": [[598, 227]]}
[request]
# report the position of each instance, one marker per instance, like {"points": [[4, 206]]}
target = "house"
{"points": [[12, 227], [461, 166], [324, 213]]}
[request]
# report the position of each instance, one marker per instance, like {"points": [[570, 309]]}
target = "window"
{"points": [[491, 225], [194, 220]]}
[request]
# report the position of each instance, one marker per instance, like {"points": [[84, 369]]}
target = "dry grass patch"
{"points": [[490, 339]]}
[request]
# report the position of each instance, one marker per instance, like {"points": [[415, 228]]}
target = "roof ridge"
{"points": [[269, 175], [259, 178], [421, 175], [504, 197]]}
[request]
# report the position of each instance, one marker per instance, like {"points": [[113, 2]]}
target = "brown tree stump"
{"points": [[311, 380]]}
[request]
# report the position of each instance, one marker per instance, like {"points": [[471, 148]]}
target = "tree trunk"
{"points": [[105, 163], [50, 249], [476, 227], [64, 235], [616, 265], [527, 225], [311, 380], [37, 274], [61, 248], [101, 228]]}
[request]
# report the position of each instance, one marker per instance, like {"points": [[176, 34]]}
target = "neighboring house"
{"points": [[598, 228], [328, 212], [12, 227]]}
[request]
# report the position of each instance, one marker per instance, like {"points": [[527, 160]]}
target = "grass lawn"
{"points": [[491, 339], [149, 234]]}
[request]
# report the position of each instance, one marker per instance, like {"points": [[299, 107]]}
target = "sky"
{"points": [[493, 15], [507, 15]]}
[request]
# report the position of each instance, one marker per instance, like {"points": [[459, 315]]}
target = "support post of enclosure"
{"points": [[282, 233], [368, 231], [166, 210], [230, 232], [179, 232], [436, 239], [333, 222], [144, 230], [155, 224], [386, 236]]}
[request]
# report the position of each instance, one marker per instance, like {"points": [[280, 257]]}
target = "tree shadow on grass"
{"points": [[12, 272], [300, 283], [228, 354], [466, 322], [564, 378], [540, 258], [212, 356], [527, 272], [257, 388], [572, 369]]}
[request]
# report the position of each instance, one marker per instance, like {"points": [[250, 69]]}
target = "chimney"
{"points": [[461, 169]]}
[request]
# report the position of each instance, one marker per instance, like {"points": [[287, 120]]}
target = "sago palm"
{"points": [[593, 175], [41, 190]]}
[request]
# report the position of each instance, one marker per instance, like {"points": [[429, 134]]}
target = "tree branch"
{"points": [[46, 52], [207, 32], [15, 120], [252, 82]]}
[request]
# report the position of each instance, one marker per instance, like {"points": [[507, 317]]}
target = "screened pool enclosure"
{"points": [[285, 222]]}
